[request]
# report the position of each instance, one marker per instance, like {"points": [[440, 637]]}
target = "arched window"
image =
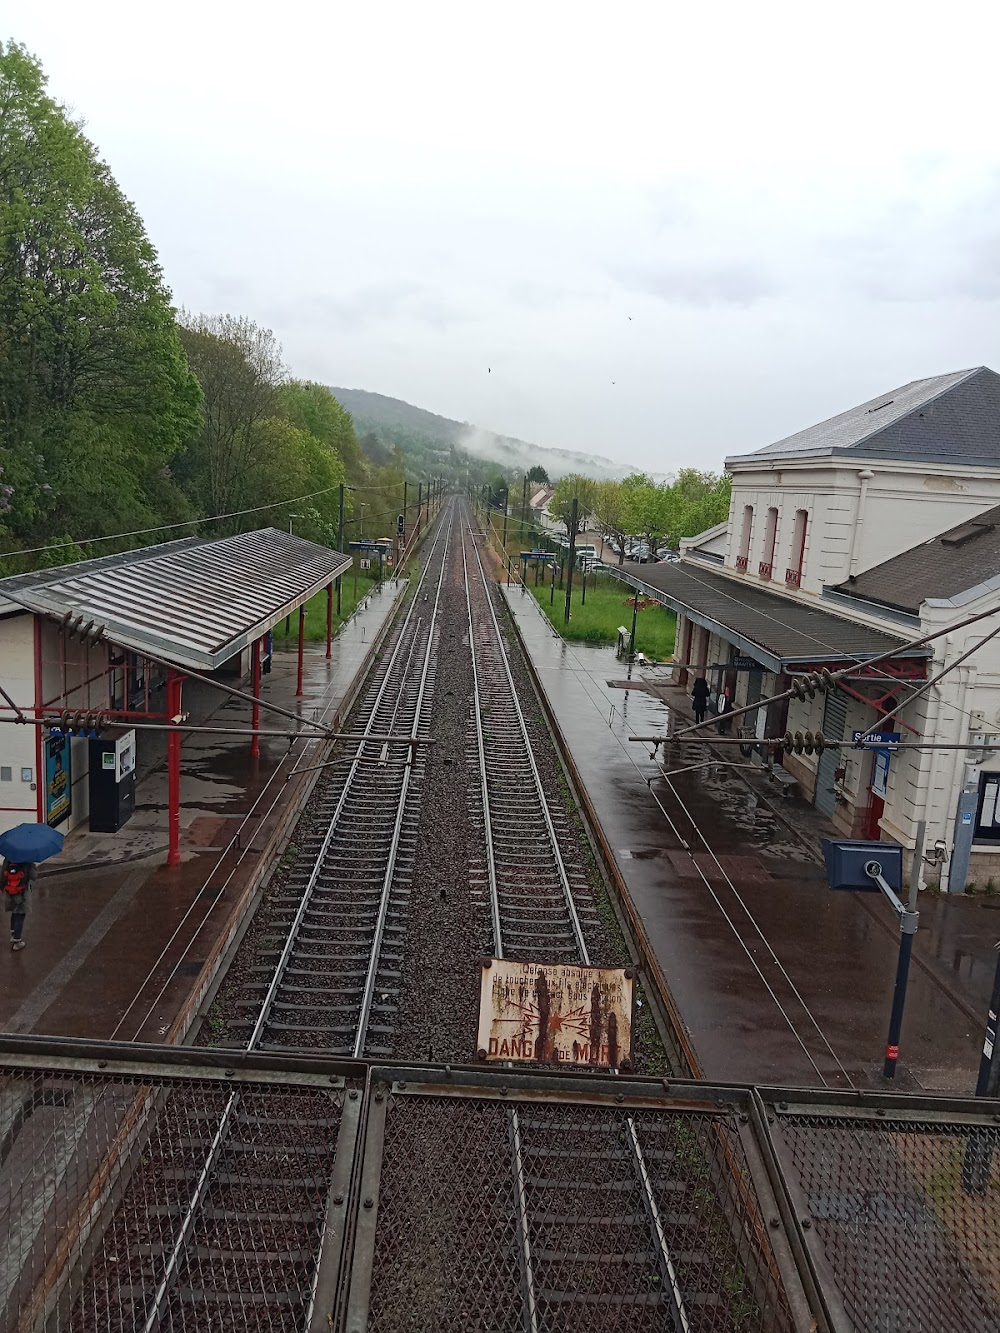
{"points": [[770, 536], [743, 558], [793, 574]]}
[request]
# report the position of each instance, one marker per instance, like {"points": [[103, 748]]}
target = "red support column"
{"points": [[255, 658], [173, 772], [302, 650], [40, 765], [329, 620]]}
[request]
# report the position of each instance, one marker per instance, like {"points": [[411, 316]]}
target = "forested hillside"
{"points": [[122, 423], [455, 449]]}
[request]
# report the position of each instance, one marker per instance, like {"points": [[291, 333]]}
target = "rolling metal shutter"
{"points": [[834, 723]]}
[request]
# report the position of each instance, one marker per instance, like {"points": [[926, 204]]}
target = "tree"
{"points": [[96, 398], [313, 408], [291, 462], [568, 488], [239, 367], [611, 512], [538, 473], [498, 491]]}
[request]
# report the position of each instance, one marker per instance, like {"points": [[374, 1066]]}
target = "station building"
{"points": [[94, 653], [863, 534]]}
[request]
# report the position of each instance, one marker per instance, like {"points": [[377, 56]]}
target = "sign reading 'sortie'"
{"points": [[555, 1013]]}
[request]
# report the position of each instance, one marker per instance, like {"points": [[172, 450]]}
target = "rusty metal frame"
{"points": [[861, 1109], [775, 1207], [336, 1228], [358, 1274]]}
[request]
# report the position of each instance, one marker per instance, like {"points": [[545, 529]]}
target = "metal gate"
{"points": [[834, 723]]}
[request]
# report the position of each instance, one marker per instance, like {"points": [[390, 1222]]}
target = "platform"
{"points": [[703, 867], [116, 940]]}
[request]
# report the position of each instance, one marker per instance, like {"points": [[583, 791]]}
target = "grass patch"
{"points": [[605, 610], [316, 610]]}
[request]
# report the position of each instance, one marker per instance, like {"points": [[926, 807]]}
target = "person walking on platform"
{"points": [[725, 708], [16, 880], [699, 697]]}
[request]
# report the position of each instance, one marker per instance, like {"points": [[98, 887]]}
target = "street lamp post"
{"points": [[290, 517]]}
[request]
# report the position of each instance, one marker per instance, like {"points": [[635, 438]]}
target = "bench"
{"points": [[784, 780]]}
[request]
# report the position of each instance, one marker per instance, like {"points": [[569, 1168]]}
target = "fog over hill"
{"points": [[399, 423]]}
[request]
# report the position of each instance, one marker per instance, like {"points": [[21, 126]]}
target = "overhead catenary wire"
{"points": [[167, 527], [278, 796], [582, 676]]}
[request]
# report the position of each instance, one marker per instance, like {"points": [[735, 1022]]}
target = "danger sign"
{"points": [[555, 1013]]}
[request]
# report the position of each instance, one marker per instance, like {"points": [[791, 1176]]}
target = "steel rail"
{"points": [[665, 1257], [520, 1185], [333, 825], [540, 791], [156, 1310], [390, 870]]}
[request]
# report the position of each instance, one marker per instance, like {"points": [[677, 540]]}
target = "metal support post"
{"points": [[524, 506], [571, 557], [552, 589], [302, 651], [505, 499], [329, 620], [340, 541], [631, 642], [583, 590], [174, 697], [977, 1163], [420, 504], [909, 919], [255, 710]]}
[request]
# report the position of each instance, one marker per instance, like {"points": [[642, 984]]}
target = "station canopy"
{"points": [[194, 602], [779, 632]]}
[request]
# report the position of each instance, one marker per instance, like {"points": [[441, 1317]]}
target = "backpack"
{"points": [[14, 880]]}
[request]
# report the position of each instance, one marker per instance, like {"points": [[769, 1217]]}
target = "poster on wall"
{"points": [[58, 780]]}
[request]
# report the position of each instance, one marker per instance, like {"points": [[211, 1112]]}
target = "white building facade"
{"points": [[877, 528]]}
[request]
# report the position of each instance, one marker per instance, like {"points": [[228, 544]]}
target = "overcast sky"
{"points": [[660, 232]]}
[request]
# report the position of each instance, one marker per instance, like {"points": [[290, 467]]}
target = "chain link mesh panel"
{"points": [[129, 1202], [907, 1215], [512, 1215]]}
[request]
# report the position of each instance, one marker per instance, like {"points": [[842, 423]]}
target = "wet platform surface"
{"points": [[108, 915], [778, 979]]}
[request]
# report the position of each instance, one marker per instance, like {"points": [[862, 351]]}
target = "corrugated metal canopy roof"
{"points": [[194, 602], [779, 631]]}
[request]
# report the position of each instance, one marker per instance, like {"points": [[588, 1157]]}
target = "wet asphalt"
{"points": [[779, 980]]}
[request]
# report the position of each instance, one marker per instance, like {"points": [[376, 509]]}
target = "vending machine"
{"points": [[112, 783]]}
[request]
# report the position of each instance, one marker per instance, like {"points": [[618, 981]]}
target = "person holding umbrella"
{"points": [[22, 848], [16, 879]]}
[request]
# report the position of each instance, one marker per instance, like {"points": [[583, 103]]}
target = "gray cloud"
{"points": [[702, 283]]}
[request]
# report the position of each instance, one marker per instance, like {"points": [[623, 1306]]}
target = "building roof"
{"points": [[780, 632], [945, 419], [962, 558], [194, 602]]}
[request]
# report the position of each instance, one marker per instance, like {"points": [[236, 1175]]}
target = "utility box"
{"points": [[846, 860], [112, 783]]}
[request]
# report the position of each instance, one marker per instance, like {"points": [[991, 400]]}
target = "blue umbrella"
{"points": [[30, 842]]}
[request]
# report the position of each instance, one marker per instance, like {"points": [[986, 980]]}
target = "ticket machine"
{"points": [[112, 782]]}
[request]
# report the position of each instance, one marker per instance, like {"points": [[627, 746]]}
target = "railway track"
{"points": [[225, 1218], [221, 1253], [327, 977], [537, 914]]}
